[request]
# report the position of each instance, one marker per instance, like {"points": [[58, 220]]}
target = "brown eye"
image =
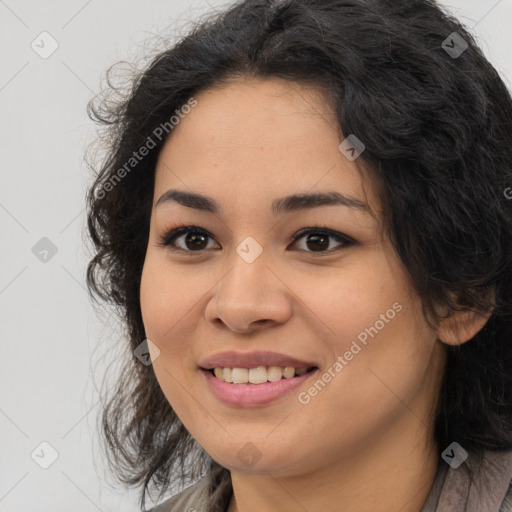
{"points": [[194, 239], [318, 240]]}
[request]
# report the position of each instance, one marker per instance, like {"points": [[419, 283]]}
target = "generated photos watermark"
{"points": [[159, 133], [305, 397]]}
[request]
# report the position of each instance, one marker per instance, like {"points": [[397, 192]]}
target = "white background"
{"points": [[52, 341]]}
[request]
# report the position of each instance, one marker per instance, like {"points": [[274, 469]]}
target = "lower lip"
{"points": [[251, 395]]}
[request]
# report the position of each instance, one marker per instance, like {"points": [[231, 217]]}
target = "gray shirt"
{"points": [[473, 487]]}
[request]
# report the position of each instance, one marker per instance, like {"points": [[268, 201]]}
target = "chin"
{"points": [[256, 457]]}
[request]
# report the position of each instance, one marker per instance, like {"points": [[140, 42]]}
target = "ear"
{"points": [[461, 326]]}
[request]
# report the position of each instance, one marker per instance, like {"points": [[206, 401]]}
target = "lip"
{"points": [[253, 395], [234, 359]]}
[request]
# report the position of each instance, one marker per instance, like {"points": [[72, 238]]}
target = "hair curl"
{"points": [[438, 137]]}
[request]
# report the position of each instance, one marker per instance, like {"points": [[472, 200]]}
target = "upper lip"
{"points": [[233, 359]]}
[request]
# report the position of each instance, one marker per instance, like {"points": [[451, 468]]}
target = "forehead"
{"points": [[251, 113], [257, 138], [254, 102]]}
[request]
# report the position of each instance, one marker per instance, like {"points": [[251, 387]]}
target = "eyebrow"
{"points": [[285, 204]]}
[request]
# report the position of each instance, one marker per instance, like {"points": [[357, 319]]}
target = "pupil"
{"points": [[316, 238], [196, 240]]}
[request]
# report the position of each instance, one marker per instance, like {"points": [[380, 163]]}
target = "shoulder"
{"points": [[506, 506], [483, 482], [191, 499], [494, 481]]}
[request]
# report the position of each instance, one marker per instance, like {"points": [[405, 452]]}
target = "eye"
{"points": [[319, 239], [195, 239]]}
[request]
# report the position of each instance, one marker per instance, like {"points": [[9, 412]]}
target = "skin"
{"points": [[365, 441]]}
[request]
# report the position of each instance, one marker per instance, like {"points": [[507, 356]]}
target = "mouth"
{"points": [[258, 386], [259, 375]]}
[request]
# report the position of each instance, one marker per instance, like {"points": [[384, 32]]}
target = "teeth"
{"points": [[257, 375], [274, 373], [289, 372], [227, 374], [240, 375]]}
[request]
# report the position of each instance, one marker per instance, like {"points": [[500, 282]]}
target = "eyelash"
{"points": [[173, 234]]}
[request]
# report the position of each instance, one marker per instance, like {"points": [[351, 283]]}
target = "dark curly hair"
{"points": [[437, 127]]}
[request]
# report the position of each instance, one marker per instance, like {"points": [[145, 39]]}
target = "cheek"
{"points": [[151, 304], [371, 318], [377, 365], [351, 300], [161, 309], [169, 301], [165, 298]]}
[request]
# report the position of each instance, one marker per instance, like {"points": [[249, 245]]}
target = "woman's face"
{"points": [[340, 303]]}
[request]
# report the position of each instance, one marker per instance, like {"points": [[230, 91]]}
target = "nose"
{"points": [[249, 297]]}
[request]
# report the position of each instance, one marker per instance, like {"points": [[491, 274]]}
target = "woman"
{"points": [[303, 219]]}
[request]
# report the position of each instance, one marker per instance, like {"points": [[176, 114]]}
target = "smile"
{"points": [[246, 388], [258, 375]]}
